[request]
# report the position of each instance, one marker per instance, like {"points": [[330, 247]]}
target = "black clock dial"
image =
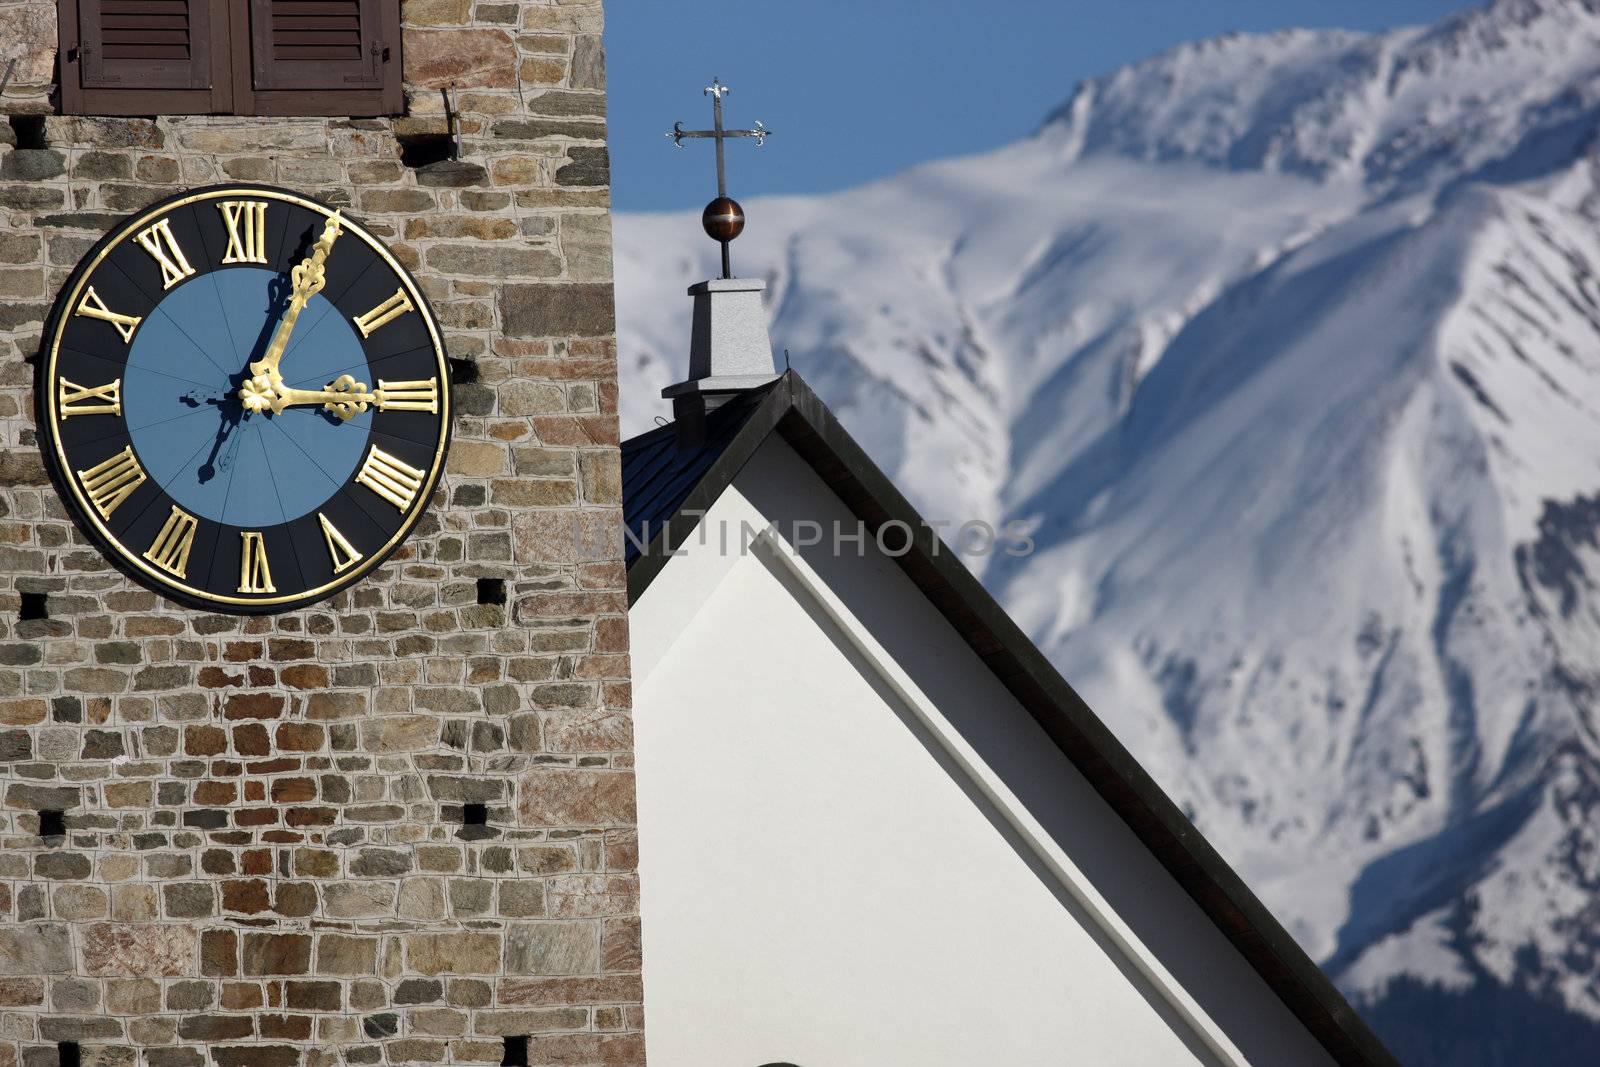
{"points": [[243, 397]]}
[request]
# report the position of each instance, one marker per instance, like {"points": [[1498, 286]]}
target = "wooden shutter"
{"points": [[145, 44], [144, 57], [317, 44]]}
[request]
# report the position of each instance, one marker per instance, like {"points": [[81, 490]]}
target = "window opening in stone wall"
{"points": [[421, 149], [28, 131], [516, 1052], [491, 590], [35, 606], [475, 814], [52, 823], [68, 1054]]}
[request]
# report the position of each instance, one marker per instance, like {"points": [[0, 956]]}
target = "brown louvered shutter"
{"points": [[317, 44], [145, 44]]}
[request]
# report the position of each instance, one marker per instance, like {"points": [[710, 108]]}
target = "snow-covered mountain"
{"points": [[1287, 350]]}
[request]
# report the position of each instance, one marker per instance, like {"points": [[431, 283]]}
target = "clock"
{"points": [[243, 398]]}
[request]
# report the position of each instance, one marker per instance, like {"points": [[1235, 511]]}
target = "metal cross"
{"points": [[723, 218], [716, 90]]}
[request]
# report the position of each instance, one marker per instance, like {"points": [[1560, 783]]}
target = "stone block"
{"points": [[539, 992], [78, 1029], [457, 953], [80, 902], [584, 309], [463, 59], [422, 898], [530, 1022], [35, 948], [381, 863], [219, 953], [133, 996], [344, 955], [359, 900], [139, 950], [435, 12], [313, 996], [276, 954], [557, 796], [586, 167], [21, 992], [552, 948], [418, 991]]}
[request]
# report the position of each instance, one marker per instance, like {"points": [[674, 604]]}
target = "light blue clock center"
{"points": [[191, 434]]}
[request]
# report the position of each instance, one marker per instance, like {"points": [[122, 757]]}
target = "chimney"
{"points": [[729, 350]]}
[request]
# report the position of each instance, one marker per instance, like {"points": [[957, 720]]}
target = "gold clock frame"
{"points": [[130, 558]]}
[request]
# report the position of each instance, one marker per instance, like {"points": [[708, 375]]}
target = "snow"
{"points": [[1286, 349]]}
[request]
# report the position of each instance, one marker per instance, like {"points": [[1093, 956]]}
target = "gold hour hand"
{"points": [[344, 396], [306, 280]]}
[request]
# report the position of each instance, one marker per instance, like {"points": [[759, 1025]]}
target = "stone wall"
{"points": [[264, 861]]}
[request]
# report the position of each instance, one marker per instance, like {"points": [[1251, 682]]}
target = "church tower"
{"points": [[331, 786]]}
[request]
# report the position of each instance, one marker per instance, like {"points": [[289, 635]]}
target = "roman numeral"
{"points": [[391, 479], [163, 247], [110, 483], [75, 399], [340, 550], [91, 306], [254, 574], [170, 550], [419, 395], [247, 230], [389, 310]]}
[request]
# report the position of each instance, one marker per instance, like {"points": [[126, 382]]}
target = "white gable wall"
{"points": [[829, 879]]}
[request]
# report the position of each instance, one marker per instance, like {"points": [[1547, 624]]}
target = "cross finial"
{"points": [[723, 218]]}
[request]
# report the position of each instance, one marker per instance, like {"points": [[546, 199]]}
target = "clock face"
{"points": [[244, 399]]}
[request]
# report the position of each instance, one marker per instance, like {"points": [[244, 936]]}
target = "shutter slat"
{"points": [[315, 55], [291, 38], [146, 51], [123, 8], [147, 22], [132, 38], [345, 23], [314, 8]]}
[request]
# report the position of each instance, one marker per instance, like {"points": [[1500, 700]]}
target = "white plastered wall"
{"points": [[857, 849]]}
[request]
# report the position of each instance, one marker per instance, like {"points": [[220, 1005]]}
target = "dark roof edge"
{"points": [[807, 424], [671, 535]]}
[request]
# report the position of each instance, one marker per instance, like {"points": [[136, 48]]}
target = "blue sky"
{"points": [[857, 90]]}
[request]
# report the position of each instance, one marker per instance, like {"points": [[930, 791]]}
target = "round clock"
{"points": [[244, 399]]}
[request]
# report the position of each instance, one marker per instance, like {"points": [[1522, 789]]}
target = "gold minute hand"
{"points": [[307, 278]]}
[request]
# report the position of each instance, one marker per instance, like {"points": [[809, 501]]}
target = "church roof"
{"points": [[657, 475], [667, 489]]}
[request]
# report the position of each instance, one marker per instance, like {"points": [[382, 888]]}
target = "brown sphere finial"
{"points": [[723, 219]]}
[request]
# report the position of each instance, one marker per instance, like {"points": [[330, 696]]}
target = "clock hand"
{"points": [[344, 396], [307, 278]]}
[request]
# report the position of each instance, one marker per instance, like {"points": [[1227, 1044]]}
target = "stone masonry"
{"points": [[264, 861]]}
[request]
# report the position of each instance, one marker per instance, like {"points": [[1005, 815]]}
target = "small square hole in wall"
{"points": [[516, 1052], [491, 590], [421, 149], [28, 130], [52, 824], [68, 1054], [462, 371], [474, 814], [35, 606]]}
